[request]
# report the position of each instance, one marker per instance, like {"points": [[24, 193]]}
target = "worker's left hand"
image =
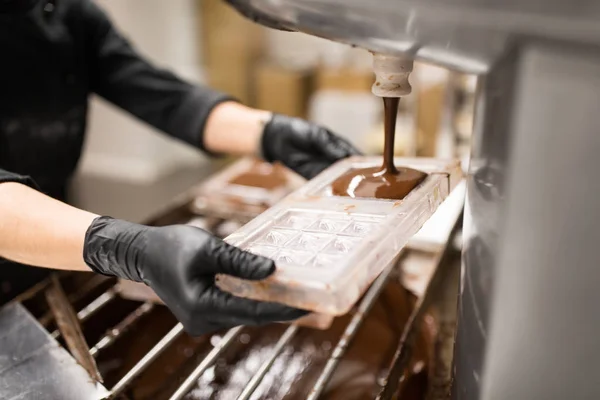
{"points": [[303, 146]]}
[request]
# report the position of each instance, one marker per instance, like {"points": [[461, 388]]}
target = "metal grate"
{"points": [[389, 385]]}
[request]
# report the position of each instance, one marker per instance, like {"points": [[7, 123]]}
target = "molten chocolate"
{"points": [[377, 183], [262, 175], [387, 181]]}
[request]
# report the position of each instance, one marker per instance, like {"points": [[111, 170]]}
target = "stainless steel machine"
{"points": [[528, 326]]}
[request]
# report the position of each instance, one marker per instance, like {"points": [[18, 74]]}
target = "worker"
{"points": [[54, 54]]}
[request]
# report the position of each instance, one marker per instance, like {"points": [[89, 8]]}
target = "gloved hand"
{"points": [[179, 263], [303, 146]]}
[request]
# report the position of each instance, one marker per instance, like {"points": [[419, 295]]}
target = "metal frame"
{"points": [[266, 365], [350, 332]]}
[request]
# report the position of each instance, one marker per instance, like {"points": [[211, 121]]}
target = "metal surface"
{"points": [[434, 289], [467, 35], [544, 325], [287, 336], [122, 327], [444, 311], [68, 324], [350, 332], [97, 304], [34, 366], [145, 362], [484, 215], [209, 360], [529, 284]]}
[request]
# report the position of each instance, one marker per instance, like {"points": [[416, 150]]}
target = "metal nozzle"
{"points": [[391, 75]]}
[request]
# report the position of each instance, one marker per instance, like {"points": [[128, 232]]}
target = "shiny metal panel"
{"points": [[544, 326], [483, 221], [34, 366], [467, 35]]}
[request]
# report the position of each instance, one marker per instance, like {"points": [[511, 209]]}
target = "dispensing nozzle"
{"points": [[391, 75]]}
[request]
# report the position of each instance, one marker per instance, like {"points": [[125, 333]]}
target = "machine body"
{"points": [[528, 325]]}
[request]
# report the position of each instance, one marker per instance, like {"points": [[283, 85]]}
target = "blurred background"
{"points": [[129, 170]]}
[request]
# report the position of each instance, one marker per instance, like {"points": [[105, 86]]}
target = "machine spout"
{"points": [[391, 75]]}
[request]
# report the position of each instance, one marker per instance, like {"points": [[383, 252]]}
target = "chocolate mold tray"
{"points": [[219, 196], [328, 249], [140, 292]]}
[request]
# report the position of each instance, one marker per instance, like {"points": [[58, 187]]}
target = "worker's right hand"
{"points": [[179, 263]]}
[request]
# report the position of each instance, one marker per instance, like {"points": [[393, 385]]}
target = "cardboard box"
{"points": [[345, 79], [235, 81], [231, 46], [282, 90], [430, 103]]}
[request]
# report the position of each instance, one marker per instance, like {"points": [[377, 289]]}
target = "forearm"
{"points": [[198, 115], [38, 230], [233, 128]]}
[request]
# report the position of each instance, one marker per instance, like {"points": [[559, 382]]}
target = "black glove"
{"points": [[179, 263], [244, 8], [303, 146]]}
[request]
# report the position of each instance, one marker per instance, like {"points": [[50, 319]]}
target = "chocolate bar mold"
{"points": [[328, 249], [217, 196]]}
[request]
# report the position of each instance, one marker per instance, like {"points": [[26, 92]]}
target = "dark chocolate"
{"points": [[387, 181], [262, 175]]}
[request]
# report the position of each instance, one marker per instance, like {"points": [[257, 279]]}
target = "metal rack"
{"points": [[389, 384]]}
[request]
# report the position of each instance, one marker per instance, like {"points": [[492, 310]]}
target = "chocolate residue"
{"points": [[296, 369], [262, 175], [387, 181]]}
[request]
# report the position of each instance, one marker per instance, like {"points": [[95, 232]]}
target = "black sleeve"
{"points": [[120, 75], [6, 176]]}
